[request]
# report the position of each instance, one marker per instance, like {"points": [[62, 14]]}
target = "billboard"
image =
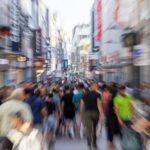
{"points": [[37, 41], [141, 55], [99, 20]]}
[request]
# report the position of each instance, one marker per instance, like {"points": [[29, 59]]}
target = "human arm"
{"points": [[100, 109], [117, 110], [81, 108], [62, 108]]}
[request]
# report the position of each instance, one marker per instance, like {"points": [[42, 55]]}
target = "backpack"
{"points": [[5, 144], [131, 140], [32, 141]]}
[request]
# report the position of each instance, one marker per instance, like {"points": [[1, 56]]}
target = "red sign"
{"points": [[39, 63], [117, 10], [99, 20], [113, 56]]}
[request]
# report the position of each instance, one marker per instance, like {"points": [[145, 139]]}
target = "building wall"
{"points": [[110, 28]]}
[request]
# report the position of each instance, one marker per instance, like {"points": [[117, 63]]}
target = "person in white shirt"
{"points": [[14, 104]]}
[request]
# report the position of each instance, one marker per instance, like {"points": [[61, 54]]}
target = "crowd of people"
{"points": [[35, 114]]}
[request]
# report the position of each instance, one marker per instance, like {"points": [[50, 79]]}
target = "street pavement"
{"points": [[75, 144]]}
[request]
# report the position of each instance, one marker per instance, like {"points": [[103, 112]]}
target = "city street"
{"points": [[74, 144]]}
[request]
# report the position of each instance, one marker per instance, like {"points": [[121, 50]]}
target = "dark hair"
{"points": [[55, 91], [67, 87], [81, 86], [5, 144], [121, 87], [17, 115], [37, 92], [27, 91], [50, 95]]}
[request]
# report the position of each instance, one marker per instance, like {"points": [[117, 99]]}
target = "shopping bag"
{"points": [[131, 140]]}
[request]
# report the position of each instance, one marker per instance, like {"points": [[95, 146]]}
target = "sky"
{"points": [[71, 12]]}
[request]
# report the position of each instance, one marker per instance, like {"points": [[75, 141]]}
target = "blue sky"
{"points": [[71, 12]]}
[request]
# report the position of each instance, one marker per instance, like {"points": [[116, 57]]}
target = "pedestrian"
{"points": [[77, 100], [50, 120], [36, 104], [22, 139], [124, 107], [68, 111], [112, 125], [14, 104], [125, 112], [91, 104], [56, 100]]}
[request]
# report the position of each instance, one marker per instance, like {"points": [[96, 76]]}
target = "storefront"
{"points": [[4, 65]]}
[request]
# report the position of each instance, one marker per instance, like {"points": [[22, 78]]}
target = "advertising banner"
{"points": [[99, 20], [141, 55], [37, 41]]}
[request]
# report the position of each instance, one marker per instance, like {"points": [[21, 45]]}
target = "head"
{"points": [[18, 94], [94, 86], [50, 97], [17, 120], [81, 86], [55, 91], [37, 93], [122, 90], [67, 88]]}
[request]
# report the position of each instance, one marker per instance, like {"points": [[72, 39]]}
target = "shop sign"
{"points": [[65, 64], [129, 39], [13, 57], [112, 57], [39, 63], [99, 20], [15, 25], [38, 41], [141, 55], [4, 62], [21, 59]]}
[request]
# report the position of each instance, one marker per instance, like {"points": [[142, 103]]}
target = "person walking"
{"points": [[76, 100], [91, 105], [112, 125], [68, 111], [36, 104], [14, 104], [124, 107]]}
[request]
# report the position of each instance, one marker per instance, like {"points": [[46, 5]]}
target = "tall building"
{"points": [[111, 41], [123, 32], [80, 48], [134, 17], [15, 38]]}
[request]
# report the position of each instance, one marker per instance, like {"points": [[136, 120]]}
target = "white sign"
{"points": [[4, 61], [141, 55]]}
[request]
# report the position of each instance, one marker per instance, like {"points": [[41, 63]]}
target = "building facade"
{"points": [[80, 49]]}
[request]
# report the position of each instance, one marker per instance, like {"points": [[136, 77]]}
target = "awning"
{"points": [[114, 66]]}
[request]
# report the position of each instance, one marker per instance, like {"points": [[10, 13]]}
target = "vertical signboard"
{"points": [[15, 25], [99, 20], [37, 41]]}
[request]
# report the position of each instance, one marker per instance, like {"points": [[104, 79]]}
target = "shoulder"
{"points": [[117, 99], [130, 98], [96, 94]]}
